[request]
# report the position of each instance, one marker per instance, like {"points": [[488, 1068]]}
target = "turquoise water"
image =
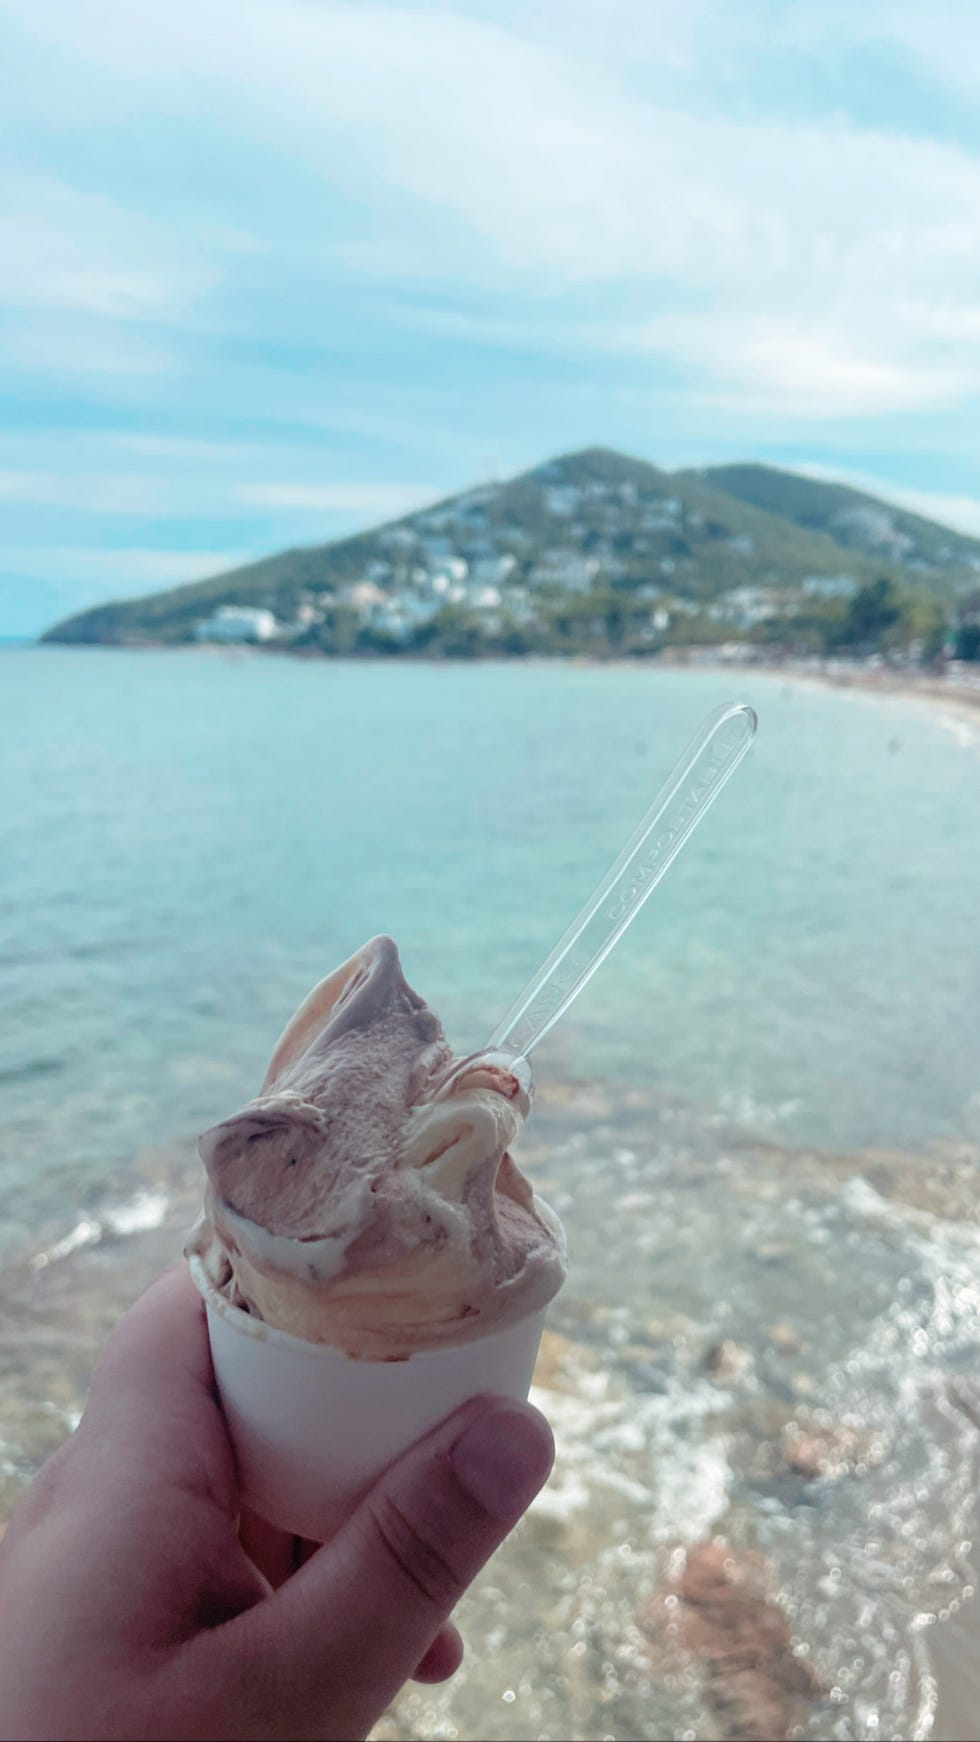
{"points": [[189, 841]]}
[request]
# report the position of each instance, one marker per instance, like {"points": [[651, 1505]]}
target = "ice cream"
{"points": [[367, 1198]]}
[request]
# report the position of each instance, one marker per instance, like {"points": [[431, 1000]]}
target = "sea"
{"points": [[760, 1124]]}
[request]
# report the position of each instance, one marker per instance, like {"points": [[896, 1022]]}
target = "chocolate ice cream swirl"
{"points": [[367, 1198]]}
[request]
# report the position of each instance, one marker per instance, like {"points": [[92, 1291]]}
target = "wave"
{"points": [[139, 1214], [36, 1067], [759, 1373]]}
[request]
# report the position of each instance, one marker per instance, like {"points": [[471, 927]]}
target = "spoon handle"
{"points": [[694, 784]]}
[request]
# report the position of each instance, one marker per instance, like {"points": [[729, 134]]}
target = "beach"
{"points": [[959, 694], [956, 691]]}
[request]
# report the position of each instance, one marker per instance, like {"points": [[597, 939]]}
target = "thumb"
{"points": [[327, 1653]]}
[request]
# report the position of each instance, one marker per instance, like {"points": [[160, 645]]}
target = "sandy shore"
{"points": [[954, 695]]}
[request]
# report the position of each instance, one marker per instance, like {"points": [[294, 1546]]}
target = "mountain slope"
{"points": [[854, 519], [590, 531]]}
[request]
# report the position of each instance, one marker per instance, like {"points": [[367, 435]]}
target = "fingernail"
{"points": [[503, 1458]]}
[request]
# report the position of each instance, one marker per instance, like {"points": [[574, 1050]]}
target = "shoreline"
{"points": [[959, 692], [709, 1428], [961, 698], [765, 1342], [712, 1427]]}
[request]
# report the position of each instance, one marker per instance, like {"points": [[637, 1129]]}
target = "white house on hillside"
{"points": [[237, 623]]}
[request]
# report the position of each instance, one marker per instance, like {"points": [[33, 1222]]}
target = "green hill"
{"points": [[593, 551], [852, 518]]}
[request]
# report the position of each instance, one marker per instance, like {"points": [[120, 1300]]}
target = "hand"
{"points": [[129, 1607]]}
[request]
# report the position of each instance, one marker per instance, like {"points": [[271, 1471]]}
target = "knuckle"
{"points": [[421, 1561]]}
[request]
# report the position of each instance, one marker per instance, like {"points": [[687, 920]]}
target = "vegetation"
{"points": [[854, 520], [598, 554]]}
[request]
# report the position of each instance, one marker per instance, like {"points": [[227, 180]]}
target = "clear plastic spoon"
{"points": [[694, 784]]}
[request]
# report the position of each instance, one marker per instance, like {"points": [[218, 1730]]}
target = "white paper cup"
{"points": [[313, 1429]]}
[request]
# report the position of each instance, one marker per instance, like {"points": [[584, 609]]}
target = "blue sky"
{"points": [[276, 269]]}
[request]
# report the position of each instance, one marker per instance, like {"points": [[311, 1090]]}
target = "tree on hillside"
{"points": [[966, 643], [874, 610]]}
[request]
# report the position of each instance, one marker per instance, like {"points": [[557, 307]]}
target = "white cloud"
{"points": [[943, 41], [43, 348], [816, 370], [91, 492], [550, 157], [827, 269], [203, 481], [184, 450], [383, 501], [119, 573], [65, 248], [820, 373]]}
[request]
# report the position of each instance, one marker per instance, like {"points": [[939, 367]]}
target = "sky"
{"points": [[275, 270]]}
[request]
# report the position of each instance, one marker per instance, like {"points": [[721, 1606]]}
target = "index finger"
{"points": [[164, 1334], [153, 1389]]}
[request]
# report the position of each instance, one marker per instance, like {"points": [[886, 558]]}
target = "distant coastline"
{"points": [[958, 690], [960, 694], [596, 555]]}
